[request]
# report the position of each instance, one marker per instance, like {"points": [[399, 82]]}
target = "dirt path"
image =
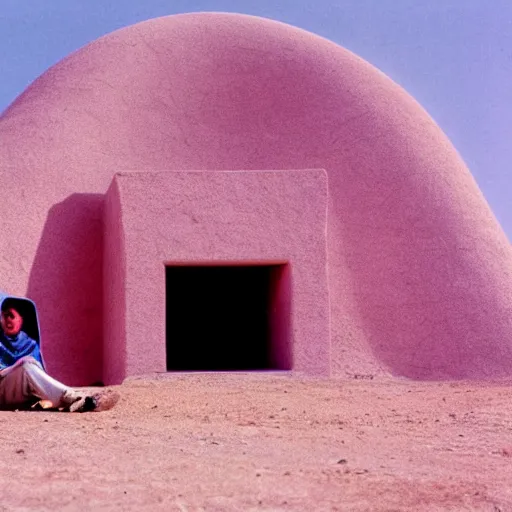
{"points": [[221, 442]]}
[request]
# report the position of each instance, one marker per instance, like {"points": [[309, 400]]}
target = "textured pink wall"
{"points": [[114, 290], [227, 218], [419, 269]]}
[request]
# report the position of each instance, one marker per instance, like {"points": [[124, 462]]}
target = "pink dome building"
{"points": [[341, 234]]}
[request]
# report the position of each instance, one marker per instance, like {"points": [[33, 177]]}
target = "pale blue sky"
{"points": [[453, 56]]}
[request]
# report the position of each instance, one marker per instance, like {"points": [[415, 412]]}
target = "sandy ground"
{"points": [[222, 442]]}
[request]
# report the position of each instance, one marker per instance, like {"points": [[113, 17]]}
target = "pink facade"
{"points": [[418, 269], [156, 219]]}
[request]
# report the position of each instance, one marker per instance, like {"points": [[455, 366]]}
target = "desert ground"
{"points": [[265, 441]]}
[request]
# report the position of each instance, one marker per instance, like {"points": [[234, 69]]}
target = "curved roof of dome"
{"points": [[195, 90], [225, 91]]}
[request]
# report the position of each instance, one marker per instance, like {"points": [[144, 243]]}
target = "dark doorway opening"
{"points": [[228, 318]]}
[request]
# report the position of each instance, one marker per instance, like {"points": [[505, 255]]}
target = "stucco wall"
{"points": [[419, 269], [222, 218]]}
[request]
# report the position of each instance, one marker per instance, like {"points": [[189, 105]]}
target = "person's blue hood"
{"points": [[28, 311]]}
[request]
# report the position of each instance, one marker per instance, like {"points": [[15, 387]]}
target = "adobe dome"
{"points": [[419, 269]]}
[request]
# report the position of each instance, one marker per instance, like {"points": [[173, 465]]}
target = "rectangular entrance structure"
{"points": [[216, 270]]}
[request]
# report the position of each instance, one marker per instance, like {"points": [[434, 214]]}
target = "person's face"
{"points": [[11, 322]]}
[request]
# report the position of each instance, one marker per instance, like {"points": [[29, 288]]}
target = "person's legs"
{"points": [[26, 381]]}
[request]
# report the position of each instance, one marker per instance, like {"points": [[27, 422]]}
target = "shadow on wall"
{"points": [[66, 284]]}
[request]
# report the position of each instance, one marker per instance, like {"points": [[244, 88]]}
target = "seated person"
{"points": [[23, 380]]}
